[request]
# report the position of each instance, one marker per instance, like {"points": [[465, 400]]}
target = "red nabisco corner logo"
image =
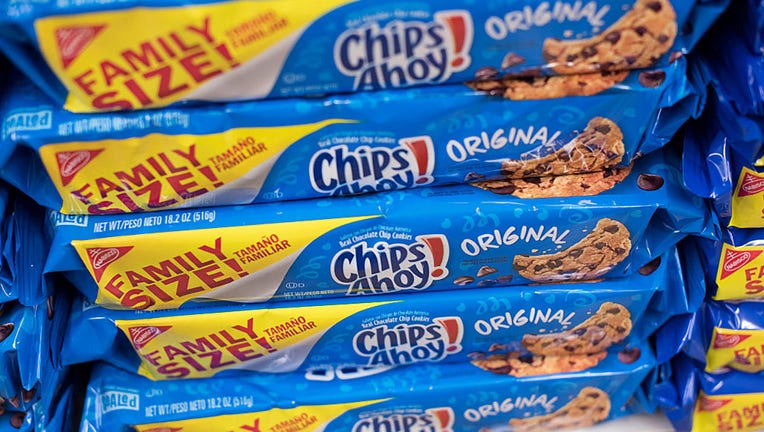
{"points": [[71, 162], [142, 335], [100, 258], [708, 404], [73, 40], [751, 184], [445, 417], [728, 340], [735, 260]]}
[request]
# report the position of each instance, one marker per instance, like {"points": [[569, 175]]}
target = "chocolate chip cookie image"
{"points": [[610, 325], [589, 407], [597, 147], [594, 255], [637, 40], [586, 184], [547, 87], [519, 364]]}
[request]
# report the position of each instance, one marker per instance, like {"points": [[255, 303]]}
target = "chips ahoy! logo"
{"points": [[390, 267], [410, 343], [341, 171], [404, 53], [431, 420]]}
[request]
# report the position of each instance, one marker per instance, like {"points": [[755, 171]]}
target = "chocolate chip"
{"points": [[504, 279], [464, 280], [472, 176], [654, 6], [676, 55], [652, 79], [601, 325], [485, 271], [650, 267], [589, 51], [575, 253], [620, 251], [613, 37], [14, 401], [511, 59], [630, 59], [554, 263], [5, 331], [603, 129], [613, 311], [497, 347], [649, 182], [28, 395], [640, 30], [629, 355], [477, 355], [620, 329], [496, 91], [593, 395], [612, 229], [538, 267], [579, 332], [663, 38], [571, 58], [504, 370], [18, 420], [565, 157], [486, 283], [600, 245], [569, 348], [592, 266], [504, 190], [519, 267], [533, 180], [486, 73], [49, 305], [526, 358]]}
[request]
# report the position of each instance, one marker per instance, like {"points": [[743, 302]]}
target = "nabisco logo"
{"points": [[144, 334], [735, 260], [708, 404], [73, 40], [103, 257], [71, 162], [728, 340], [751, 184], [100, 258]]}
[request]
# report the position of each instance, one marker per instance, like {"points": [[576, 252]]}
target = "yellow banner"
{"points": [[741, 273], [199, 346], [107, 62], [302, 419], [738, 349], [164, 270], [748, 200], [728, 413], [158, 171]]}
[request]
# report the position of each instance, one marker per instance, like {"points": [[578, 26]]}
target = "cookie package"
{"points": [[728, 335], [250, 152], [89, 56], [403, 241], [734, 264], [452, 397], [526, 331], [699, 401], [723, 154]]}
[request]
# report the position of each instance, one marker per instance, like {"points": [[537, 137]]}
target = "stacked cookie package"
{"points": [[718, 375], [358, 215]]}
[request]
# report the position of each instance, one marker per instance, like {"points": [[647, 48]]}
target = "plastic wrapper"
{"points": [[521, 332], [404, 241], [265, 151], [455, 397], [92, 57], [733, 264]]}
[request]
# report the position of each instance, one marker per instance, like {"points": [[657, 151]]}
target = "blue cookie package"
{"points": [[89, 57], [699, 401], [441, 238], [526, 331], [454, 397], [251, 152]]}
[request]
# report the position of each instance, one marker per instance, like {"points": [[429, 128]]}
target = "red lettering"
{"points": [[152, 357], [138, 92], [86, 86], [165, 77], [254, 428], [114, 285], [136, 299], [212, 277], [184, 189], [102, 208], [154, 190], [198, 66], [110, 71], [105, 101], [243, 351], [158, 293], [182, 285], [129, 203], [173, 370], [216, 359], [82, 194], [754, 287]]}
